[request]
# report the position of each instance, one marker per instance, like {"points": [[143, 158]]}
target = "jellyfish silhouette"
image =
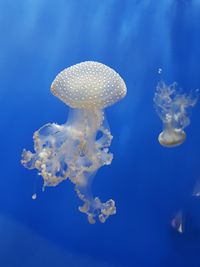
{"points": [[172, 107], [78, 148]]}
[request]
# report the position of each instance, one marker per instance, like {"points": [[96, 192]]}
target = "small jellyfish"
{"points": [[196, 190], [78, 148], [178, 222], [172, 107]]}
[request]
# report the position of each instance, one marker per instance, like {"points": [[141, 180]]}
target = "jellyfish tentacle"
{"points": [[98, 155], [93, 207]]}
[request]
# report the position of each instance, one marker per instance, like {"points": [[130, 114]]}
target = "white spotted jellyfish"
{"points": [[78, 148], [172, 107]]}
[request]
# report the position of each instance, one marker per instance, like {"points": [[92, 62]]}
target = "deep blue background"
{"points": [[39, 38]]}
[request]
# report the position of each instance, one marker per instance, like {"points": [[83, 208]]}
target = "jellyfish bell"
{"points": [[171, 137], [74, 150], [89, 85]]}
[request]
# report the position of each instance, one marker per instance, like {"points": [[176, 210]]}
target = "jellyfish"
{"points": [[178, 222], [172, 107], [79, 147]]}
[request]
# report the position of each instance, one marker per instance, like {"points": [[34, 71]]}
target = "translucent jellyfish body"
{"points": [[172, 107], [78, 148]]}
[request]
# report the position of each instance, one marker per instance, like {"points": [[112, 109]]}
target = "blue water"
{"points": [[149, 183]]}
